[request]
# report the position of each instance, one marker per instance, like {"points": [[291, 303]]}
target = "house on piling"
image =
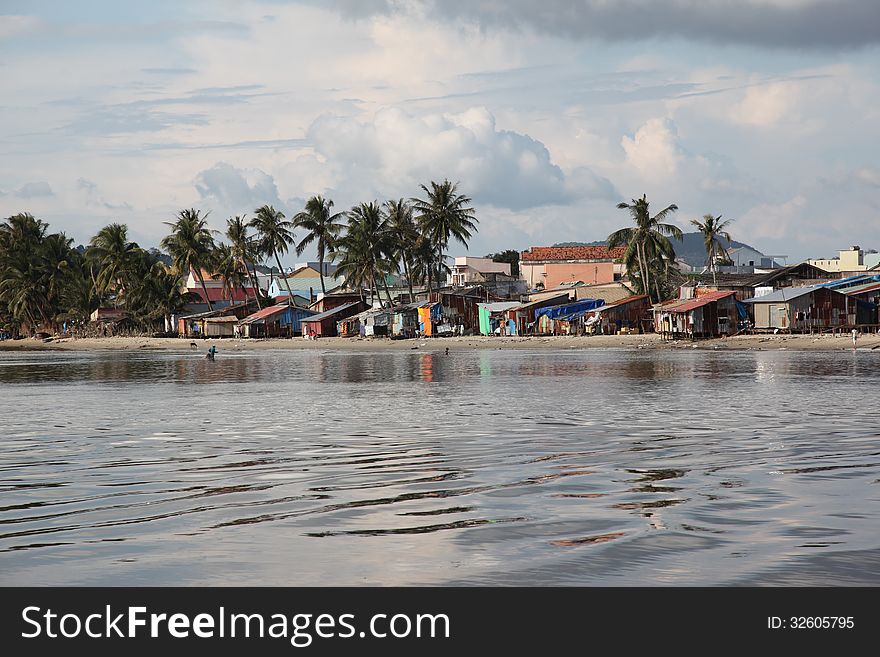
{"points": [[324, 324], [630, 315], [218, 323], [566, 318], [710, 315], [809, 309], [496, 317], [281, 321]]}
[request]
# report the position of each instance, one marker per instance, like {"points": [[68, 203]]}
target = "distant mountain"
{"points": [[691, 249]]}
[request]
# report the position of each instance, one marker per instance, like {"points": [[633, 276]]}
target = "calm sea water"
{"points": [[572, 467]]}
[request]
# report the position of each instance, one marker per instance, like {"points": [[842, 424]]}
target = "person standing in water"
{"points": [[211, 351], [855, 337]]}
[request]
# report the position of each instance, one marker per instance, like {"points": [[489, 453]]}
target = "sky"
{"points": [[546, 113]]}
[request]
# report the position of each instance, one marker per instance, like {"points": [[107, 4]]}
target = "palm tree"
{"points": [[444, 214], [275, 236], [367, 248], [244, 249], [113, 253], [713, 229], [405, 235], [190, 245], [321, 226], [647, 241], [227, 267]]}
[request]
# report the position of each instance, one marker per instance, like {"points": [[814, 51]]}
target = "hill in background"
{"points": [[691, 249]]}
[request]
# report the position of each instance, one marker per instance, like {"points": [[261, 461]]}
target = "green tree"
{"points": [[713, 230], [442, 215], [227, 268], [367, 249], [405, 236], [275, 235], [113, 254], [245, 250], [322, 226], [190, 246], [509, 256], [647, 243]]}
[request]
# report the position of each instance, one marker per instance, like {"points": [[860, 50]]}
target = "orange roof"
{"points": [[572, 253]]}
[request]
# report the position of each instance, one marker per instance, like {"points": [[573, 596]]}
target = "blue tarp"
{"points": [[568, 311]]}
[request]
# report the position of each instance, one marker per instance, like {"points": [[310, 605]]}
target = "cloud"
{"points": [[798, 24], [237, 190], [93, 198], [654, 149], [34, 190], [768, 104], [395, 152]]}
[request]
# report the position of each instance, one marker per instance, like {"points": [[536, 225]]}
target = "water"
{"points": [[569, 467]]}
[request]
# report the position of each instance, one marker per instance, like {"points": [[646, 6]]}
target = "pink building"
{"points": [[554, 265]]}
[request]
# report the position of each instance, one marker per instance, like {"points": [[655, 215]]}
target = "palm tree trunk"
{"points": [[647, 272], [286, 282], [408, 279], [251, 281], [387, 291], [645, 288], [256, 283], [321, 265], [204, 289]]}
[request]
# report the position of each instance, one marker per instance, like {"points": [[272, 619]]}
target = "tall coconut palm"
{"points": [[113, 254], [647, 241], [444, 214], [322, 226], [227, 268], [713, 229], [367, 248], [190, 246], [244, 250], [405, 234], [275, 235]]}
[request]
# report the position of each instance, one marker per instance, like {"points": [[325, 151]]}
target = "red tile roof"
{"points": [[218, 294], [537, 253], [693, 304]]}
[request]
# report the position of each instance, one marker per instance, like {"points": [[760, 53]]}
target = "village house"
{"points": [[566, 318], [218, 297], [496, 317], [711, 315], [280, 321], [324, 324], [209, 323], [747, 286], [629, 315], [808, 309], [335, 299], [304, 281], [549, 266]]}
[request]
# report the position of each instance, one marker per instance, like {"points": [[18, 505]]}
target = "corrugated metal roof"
{"points": [[622, 302], [692, 304], [786, 294], [330, 313], [499, 306], [859, 289]]}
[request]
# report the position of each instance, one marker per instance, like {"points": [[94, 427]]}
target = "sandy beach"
{"points": [[867, 342]]}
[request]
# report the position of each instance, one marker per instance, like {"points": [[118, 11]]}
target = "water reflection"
{"points": [[567, 467]]}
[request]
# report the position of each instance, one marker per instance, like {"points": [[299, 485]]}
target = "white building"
{"points": [[467, 269], [851, 259]]}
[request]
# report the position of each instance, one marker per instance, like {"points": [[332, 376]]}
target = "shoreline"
{"points": [[761, 342]]}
